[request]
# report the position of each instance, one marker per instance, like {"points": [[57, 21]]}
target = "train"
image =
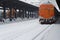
{"points": [[47, 14]]}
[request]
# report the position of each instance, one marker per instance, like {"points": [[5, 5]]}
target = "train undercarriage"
{"points": [[47, 21]]}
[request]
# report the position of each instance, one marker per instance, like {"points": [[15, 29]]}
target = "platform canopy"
{"points": [[17, 4]]}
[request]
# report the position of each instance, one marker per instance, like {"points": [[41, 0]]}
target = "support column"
{"points": [[15, 14], [23, 14], [36, 14], [31, 14], [28, 14], [10, 17], [19, 14], [4, 13]]}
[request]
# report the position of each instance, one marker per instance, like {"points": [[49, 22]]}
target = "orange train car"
{"points": [[46, 13]]}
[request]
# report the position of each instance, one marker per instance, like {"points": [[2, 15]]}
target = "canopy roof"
{"points": [[17, 4]]}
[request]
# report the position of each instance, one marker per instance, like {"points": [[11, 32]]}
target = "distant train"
{"points": [[47, 14], [50, 12]]}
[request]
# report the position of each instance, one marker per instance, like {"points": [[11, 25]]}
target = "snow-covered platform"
{"points": [[25, 30]]}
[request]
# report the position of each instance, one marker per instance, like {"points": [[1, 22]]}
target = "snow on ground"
{"points": [[54, 33], [25, 30]]}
